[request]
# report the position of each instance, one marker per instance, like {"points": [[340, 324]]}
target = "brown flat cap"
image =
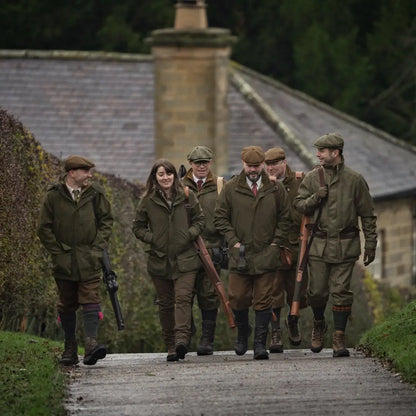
{"points": [[274, 155], [253, 155], [77, 162]]}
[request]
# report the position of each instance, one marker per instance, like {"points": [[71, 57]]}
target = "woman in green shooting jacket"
{"points": [[162, 222]]}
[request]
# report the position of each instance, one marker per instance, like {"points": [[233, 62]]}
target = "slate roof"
{"points": [[101, 105]]}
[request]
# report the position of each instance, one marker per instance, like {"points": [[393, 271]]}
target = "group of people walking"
{"points": [[255, 213]]}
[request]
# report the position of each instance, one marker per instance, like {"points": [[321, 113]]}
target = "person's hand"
{"points": [[237, 245], [322, 192], [369, 256]]}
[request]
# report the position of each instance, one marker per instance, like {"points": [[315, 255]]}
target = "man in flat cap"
{"points": [[254, 227], [278, 170], [206, 186], [75, 225], [336, 244]]}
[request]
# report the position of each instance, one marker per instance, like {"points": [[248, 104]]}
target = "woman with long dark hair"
{"points": [[162, 222]]}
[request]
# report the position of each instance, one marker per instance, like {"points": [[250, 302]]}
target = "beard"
{"points": [[253, 176]]}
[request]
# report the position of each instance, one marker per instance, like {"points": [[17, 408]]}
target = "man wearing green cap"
{"points": [[336, 244], [75, 225], [254, 227], [204, 183], [278, 170]]}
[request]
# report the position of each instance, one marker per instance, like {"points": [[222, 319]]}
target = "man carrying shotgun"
{"points": [[336, 245], [278, 170], [74, 226], [204, 184]]}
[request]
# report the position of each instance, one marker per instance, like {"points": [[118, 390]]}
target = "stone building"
{"points": [[125, 110]]}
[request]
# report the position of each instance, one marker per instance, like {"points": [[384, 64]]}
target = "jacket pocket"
{"points": [[317, 247], [62, 263], [157, 263], [188, 261], [267, 260], [350, 248]]}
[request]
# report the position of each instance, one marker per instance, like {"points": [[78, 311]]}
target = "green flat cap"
{"points": [[253, 155], [199, 154], [274, 155], [330, 141], [77, 162]]}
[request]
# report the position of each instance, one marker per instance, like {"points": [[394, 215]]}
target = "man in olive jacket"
{"points": [[336, 245], [278, 170], [203, 182], [75, 225], [248, 216]]}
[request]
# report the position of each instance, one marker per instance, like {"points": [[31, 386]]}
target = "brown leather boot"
{"points": [[293, 330], [70, 354], [338, 344], [206, 343], [276, 345], [318, 332], [93, 351]]}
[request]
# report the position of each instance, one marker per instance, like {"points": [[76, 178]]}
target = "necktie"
{"points": [[200, 183], [254, 188], [77, 195]]}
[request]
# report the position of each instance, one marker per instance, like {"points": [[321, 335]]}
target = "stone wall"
{"points": [[396, 223]]}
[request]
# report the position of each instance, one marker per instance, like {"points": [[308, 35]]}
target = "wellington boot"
{"points": [[244, 332], [318, 332], [93, 351], [260, 337], [338, 345], [70, 354]]}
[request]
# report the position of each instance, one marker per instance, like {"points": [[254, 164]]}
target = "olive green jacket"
{"points": [[75, 234], [207, 198], [291, 184], [338, 239], [166, 230], [254, 222]]}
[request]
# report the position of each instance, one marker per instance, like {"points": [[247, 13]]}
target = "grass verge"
{"points": [[31, 382], [393, 341]]}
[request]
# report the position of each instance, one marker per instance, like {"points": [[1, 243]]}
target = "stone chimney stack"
{"points": [[191, 82]]}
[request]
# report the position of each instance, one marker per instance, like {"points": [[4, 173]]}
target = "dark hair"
{"points": [[152, 183]]}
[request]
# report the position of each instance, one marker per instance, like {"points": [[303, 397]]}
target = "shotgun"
{"points": [[110, 281], [306, 239], [214, 278], [210, 270]]}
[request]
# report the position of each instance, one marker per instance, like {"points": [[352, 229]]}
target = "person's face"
{"points": [[276, 169], [81, 177], [164, 179], [201, 168], [253, 172], [328, 157]]}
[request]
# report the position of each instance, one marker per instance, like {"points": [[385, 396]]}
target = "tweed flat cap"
{"points": [[274, 155], [200, 153], [253, 155], [330, 141], [77, 162]]}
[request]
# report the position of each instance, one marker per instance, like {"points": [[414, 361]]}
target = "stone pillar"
{"points": [[191, 81]]}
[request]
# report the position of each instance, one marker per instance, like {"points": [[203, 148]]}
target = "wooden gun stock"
{"points": [[215, 279], [302, 259], [306, 238]]}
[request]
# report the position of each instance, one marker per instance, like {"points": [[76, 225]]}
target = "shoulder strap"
{"points": [[220, 184], [187, 205], [276, 197]]}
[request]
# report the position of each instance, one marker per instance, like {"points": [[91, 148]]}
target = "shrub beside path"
{"points": [[297, 382]]}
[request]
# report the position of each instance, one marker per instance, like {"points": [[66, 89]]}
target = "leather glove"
{"points": [[369, 256], [322, 192]]}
